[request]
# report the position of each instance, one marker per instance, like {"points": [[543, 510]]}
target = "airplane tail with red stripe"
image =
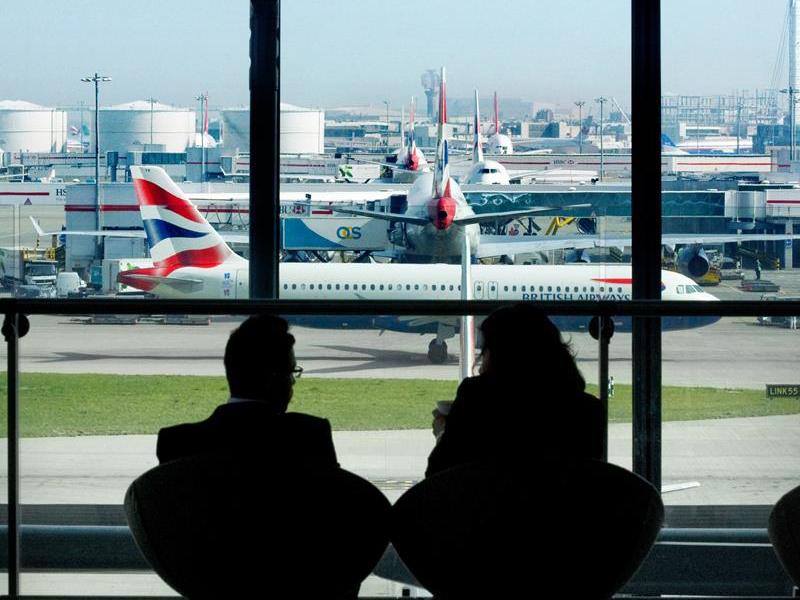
{"points": [[176, 231], [441, 173]]}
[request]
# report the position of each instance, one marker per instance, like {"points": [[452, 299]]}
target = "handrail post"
{"points": [[606, 330], [601, 328], [10, 329]]}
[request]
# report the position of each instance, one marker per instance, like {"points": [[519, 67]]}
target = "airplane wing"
{"points": [[383, 216], [130, 233], [513, 214], [395, 166], [672, 239], [498, 245], [230, 237]]}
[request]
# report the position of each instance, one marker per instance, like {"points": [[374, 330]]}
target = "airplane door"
{"points": [[477, 290], [492, 290], [242, 284]]}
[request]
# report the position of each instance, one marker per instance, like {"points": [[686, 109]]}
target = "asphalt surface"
{"points": [[733, 353]]}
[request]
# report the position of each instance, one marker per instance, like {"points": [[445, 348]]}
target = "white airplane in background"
{"points": [[409, 161], [498, 142], [191, 260], [438, 217], [484, 171]]}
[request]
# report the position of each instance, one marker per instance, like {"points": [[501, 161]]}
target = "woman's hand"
{"points": [[438, 424]]}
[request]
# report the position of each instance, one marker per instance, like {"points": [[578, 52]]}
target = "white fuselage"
{"points": [[499, 143], [487, 172], [363, 281]]}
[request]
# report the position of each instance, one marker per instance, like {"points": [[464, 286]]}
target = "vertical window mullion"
{"points": [[646, 234], [264, 148]]}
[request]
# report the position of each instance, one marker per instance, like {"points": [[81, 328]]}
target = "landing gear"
{"points": [[437, 352]]}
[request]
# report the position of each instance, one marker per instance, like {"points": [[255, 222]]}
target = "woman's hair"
{"points": [[522, 342]]}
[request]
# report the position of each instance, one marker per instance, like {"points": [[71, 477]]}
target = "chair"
{"points": [[579, 528], [214, 526], [784, 532]]}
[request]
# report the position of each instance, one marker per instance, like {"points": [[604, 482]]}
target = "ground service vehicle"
{"points": [[31, 269]]}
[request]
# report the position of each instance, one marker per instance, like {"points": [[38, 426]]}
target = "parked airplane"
{"points": [[708, 145], [408, 161], [191, 260], [437, 216], [498, 142], [484, 171]]}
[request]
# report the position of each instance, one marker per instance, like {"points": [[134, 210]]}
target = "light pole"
{"points": [[96, 79], [601, 101], [152, 101], [386, 102], [792, 122], [579, 104], [203, 98]]}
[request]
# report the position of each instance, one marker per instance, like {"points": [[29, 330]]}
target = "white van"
{"points": [[68, 282]]}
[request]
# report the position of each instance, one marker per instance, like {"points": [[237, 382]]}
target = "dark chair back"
{"points": [[218, 527], [555, 527], [784, 533]]}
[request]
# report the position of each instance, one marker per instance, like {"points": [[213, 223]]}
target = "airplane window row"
{"points": [[567, 289], [690, 289], [372, 287]]}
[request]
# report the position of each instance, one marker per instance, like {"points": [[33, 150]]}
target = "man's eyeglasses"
{"points": [[296, 372]]}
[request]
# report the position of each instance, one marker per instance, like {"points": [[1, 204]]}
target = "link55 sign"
{"points": [[783, 390]]}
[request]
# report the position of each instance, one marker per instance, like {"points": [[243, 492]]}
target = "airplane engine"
{"points": [[586, 225], [576, 256], [692, 261]]}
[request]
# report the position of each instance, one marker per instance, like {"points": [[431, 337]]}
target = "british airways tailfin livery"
{"points": [[179, 239]]}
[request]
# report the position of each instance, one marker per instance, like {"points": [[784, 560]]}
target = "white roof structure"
{"points": [[144, 105], [21, 105]]}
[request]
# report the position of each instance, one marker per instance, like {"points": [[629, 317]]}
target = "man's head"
{"points": [[259, 361]]}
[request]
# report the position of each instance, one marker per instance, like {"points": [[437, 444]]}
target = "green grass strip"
{"points": [[93, 404]]}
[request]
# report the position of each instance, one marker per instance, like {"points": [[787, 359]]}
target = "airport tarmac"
{"points": [[733, 353]]}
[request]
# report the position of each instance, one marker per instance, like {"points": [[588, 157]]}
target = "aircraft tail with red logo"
{"points": [[178, 236]]}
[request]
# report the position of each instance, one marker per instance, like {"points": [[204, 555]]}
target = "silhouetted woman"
{"points": [[528, 401]]}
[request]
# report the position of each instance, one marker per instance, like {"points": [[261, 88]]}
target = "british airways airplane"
{"points": [[191, 260]]}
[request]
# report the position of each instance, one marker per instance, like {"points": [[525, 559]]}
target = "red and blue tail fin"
{"points": [[177, 234], [441, 173]]}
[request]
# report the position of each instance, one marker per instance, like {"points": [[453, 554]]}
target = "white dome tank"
{"points": [[128, 125], [302, 130], [27, 127]]}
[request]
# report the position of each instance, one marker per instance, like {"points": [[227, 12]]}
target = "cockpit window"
{"points": [[679, 289]]}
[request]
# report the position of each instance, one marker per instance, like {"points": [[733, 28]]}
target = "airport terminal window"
{"points": [[717, 365]]}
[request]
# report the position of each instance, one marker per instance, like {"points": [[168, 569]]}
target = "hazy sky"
{"points": [[362, 51]]}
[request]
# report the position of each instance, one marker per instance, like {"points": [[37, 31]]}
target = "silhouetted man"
{"points": [[261, 370]]}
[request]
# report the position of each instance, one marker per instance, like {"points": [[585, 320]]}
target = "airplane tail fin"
{"points": [[667, 142], [402, 130], [477, 150], [411, 140], [442, 170], [177, 234]]}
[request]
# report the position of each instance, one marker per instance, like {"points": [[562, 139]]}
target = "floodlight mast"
{"points": [[96, 79], [601, 101], [580, 104]]}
